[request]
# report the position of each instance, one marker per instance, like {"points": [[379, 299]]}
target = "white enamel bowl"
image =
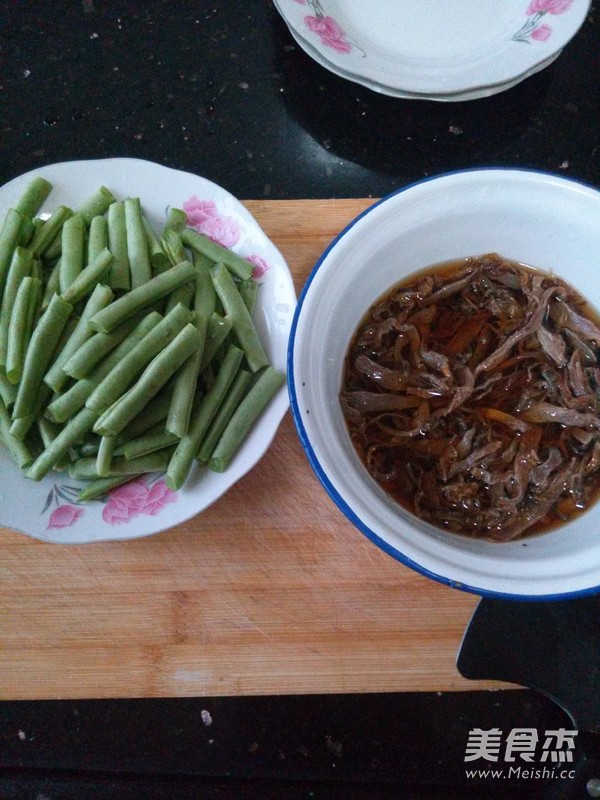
{"points": [[539, 219]]}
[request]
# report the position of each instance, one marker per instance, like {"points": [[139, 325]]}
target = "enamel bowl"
{"points": [[542, 220]]}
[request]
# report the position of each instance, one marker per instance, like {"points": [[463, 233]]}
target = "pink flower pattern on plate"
{"points": [[260, 266], [204, 217], [134, 498], [330, 32], [64, 516], [534, 29]]}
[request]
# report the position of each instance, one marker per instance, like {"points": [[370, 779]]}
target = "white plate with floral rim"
{"points": [[48, 510], [471, 94], [427, 47]]}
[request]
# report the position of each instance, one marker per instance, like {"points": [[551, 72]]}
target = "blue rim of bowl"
{"points": [[304, 439]]}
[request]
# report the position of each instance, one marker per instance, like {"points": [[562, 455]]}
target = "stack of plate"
{"points": [[426, 49]]}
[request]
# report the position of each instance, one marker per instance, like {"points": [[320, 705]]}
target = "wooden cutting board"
{"points": [[270, 591]]}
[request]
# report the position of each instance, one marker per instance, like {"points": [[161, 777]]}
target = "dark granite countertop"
{"points": [[221, 89]]}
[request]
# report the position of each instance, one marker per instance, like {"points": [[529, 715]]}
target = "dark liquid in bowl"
{"points": [[472, 395]]}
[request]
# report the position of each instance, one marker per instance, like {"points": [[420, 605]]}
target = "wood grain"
{"points": [[270, 591]]}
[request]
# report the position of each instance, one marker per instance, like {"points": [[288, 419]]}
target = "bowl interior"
{"points": [[541, 220]]}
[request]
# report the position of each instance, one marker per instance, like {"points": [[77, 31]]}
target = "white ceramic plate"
{"points": [[471, 94], [46, 510], [427, 47], [542, 220]]}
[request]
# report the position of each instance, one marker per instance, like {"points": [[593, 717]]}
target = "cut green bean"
{"points": [[85, 468], [97, 237], [155, 413], [156, 439], [73, 432], [104, 458], [217, 253], [9, 239], [142, 296], [119, 276], [217, 331], [223, 415], [52, 286], [101, 486], [72, 251], [187, 379], [176, 220], [20, 427], [249, 292], [19, 451], [159, 260], [97, 203], [34, 196], [151, 381], [42, 345], [88, 277], [66, 405], [251, 407], [20, 267], [56, 377], [185, 452], [92, 351], [120, 378], [21, 327], [137, 245], [173, 247], [8, 390], [51, 228], [243, 326]]}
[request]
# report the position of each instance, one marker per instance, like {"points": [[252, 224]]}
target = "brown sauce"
{"points": [[471, 393]]}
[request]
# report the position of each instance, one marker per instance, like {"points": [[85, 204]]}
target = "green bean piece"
{"points": [[156, 439], [104, 458], [9, 239], [151, 381], [176, 220], [34, 196], [72, 433], [51, 228], [20, 267], [249, 410], [21, 326], [217, 331], [243, 326], [101, 486], [48, 432], [183, 294], [155, 414], [249, 292], [159, 260], [85, 468], [173, 247], [19, 451], [119, 276], [66, 405], [42, 345], [92, 351], [120, 378], [20, 427], [97, 237], [56, 377], [217, 253], [96, 204], [8, 390], [224, 414], [72, 251], [137, 246], [52, 286], [205, 297], [187, 379], [88, 277], [185, 452], [142, 296]]}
